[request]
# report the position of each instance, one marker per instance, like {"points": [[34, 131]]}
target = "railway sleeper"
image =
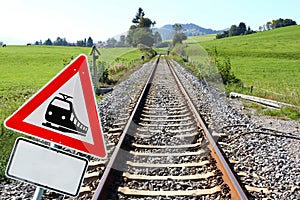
{"points": [[166, 112], [175, 119], [178, 134], [171, 183], [150, 130], [165, 116], [167, 165], [170, 159], [170, 178], [180, 170], [190, 123], [183, 146], [127, 191], [157, 109], [184, 153]]}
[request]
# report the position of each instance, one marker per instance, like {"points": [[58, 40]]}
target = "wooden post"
{"points": [[94, 73], [251, 89]]}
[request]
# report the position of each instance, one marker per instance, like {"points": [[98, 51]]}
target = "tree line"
{"points": [[235, 30], [277, 24], [63, 42], [140, 32], [242, 30]]}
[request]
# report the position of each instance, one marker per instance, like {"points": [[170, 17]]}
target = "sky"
{"points": [[27, 21]]}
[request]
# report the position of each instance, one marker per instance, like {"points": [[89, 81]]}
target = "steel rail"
{"points": [[98, 193], [235, 189]]}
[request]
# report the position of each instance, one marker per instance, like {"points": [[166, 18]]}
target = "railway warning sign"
{"points": [[64, 111]]}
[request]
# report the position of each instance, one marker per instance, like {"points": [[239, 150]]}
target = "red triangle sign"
{"points": [[64, 111]]}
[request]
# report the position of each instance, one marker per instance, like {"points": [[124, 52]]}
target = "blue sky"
{"points": [[23, 21]]}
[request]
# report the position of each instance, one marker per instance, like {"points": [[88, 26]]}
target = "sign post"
{"points": [[38, 193], [64, 112], [95, 73]]}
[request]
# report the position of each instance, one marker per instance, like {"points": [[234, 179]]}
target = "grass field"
{"points": [[25, 69], [269, 61]]}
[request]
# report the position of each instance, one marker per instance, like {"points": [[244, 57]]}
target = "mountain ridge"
{"points": [[190, 29]]}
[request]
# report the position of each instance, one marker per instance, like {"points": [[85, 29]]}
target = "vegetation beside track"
{"points": [[267, 63]]}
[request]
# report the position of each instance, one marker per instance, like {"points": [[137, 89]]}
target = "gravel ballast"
{"points": [[263, 151]]}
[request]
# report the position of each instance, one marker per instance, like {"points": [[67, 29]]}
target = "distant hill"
{"points": [[167, 32]]}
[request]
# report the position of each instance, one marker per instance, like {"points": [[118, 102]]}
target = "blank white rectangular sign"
{"points": [[52, 169]]}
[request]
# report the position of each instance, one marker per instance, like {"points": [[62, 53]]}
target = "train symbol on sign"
{"points": [[60, 115]]}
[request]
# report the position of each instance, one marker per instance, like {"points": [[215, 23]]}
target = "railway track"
{"points": [[165, 151]]}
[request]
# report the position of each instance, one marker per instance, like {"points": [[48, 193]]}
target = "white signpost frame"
{"points": [[52, 169]]}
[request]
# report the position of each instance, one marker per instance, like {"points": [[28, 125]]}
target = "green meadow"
{"points": [[269, 61], [25, 69]]}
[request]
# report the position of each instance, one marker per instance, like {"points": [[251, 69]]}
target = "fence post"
{"points": [[251, 89]]}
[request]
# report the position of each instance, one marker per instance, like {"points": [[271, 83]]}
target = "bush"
{"points": [[147, 51], [224, 67], [178, 38]]}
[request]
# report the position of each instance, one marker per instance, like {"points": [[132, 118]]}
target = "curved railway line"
{"points": [[165, 150]]}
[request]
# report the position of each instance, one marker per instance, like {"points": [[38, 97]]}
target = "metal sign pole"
{"points": [[40, 191]]}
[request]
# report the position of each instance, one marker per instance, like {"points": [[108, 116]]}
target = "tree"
{"points": [[122, 39], [157, 38], [64, 42], [90, 42], [58, 42], [142, 36], [249, 31], [222, 35], [142, 26], [138, 16], [48, 42], [121, 43], [79, 43], [111, 42], [178, 38], [242, 28], [233, 31], [129, 38], [289, 22], [177, 27], [280, 23], [146, 23]]}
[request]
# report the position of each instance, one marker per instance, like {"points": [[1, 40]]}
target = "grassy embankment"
{"points": [[269, 61], [24, 70]]}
